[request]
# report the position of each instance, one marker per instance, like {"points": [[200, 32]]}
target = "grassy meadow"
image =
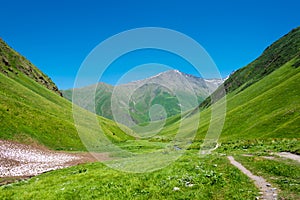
{"points": [[192, 176], [262, 118]]}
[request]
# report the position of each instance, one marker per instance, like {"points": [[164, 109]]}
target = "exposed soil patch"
{"points": [[265, 157], [269, 157], [247, 155], [267, 191], [19, 160]]}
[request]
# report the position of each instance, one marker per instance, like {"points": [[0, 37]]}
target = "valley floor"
{"points": [[237, 170]]}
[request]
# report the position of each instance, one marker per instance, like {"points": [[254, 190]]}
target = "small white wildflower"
{"points": [[176, 188]]}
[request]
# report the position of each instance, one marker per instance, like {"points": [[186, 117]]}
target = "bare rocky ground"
{"points": [[19, 161]]}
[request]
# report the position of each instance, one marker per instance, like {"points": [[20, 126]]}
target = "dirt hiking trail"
{"points": [[267, 192], [289, 156]]}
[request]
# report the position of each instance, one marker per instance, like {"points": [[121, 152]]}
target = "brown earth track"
{"points": [[266, 191]]}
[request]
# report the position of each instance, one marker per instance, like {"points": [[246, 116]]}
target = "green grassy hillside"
{"points": [[13, 64], [261, 107], [270, 108], [273, 57], [261, 119], [30, 112]]}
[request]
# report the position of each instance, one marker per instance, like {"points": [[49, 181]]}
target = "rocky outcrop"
{"points": [[13, 64]]}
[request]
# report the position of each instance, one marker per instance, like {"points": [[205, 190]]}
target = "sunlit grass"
{"points": [[207, 178]]}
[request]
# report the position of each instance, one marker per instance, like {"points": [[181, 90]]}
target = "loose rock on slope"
{"points": [[25, 160]]}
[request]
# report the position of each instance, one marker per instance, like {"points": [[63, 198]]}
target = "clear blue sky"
{"points": [[57, 35]]}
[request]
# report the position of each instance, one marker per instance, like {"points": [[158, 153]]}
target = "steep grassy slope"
{"points": [[30, 112], [263, 101], [258, 117], [12, 64], [269, 108], [273, 57]]}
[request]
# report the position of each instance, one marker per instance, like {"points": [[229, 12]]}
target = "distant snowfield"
{"points": [[24, 160]]}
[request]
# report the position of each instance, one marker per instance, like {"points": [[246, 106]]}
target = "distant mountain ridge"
{"points": [[174, 90], [177, 80]]}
